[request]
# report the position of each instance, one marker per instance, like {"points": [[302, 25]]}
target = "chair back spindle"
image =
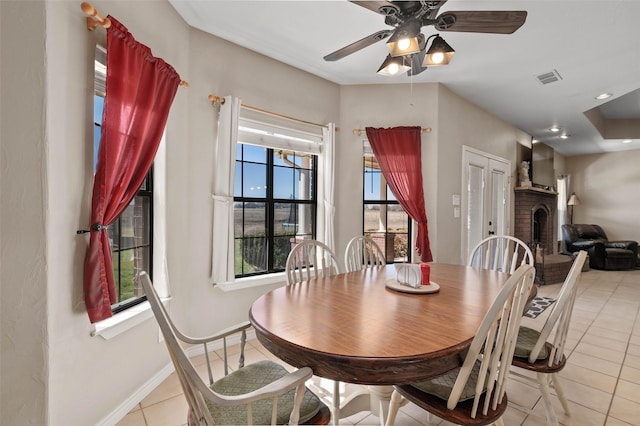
{"points": [[310, 259], [264, 380], [475, 393], [500, 253], [362, 252], [542, 352]]}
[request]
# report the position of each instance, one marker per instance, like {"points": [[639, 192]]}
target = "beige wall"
{"points": [[455, 122], [223, 69], [464, 124], [377, 106], [607, 185], [50, 363], [23, 256]]}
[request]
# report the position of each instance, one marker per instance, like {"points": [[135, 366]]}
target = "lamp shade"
{"points": [[573, 200], [440, 53], [393, 66], [405, 40]]}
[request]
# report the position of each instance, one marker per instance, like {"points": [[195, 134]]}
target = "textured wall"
{"points": [[607, 185]]}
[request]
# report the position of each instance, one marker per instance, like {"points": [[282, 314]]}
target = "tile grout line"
{"points": [[615, 388], [580, 340]]}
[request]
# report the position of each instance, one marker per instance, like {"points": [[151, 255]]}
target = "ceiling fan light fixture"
{"points": [[405, 40], [440, 53], [393, 66], [415, 63]]}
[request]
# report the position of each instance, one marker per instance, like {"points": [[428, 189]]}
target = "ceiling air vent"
{"points": [[549, 77]]}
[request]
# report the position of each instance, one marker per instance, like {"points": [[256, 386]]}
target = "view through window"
{"points": [[274, 206], [384, 219]]}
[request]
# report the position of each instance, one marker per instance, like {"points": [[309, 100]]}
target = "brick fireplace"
{"points": [[535, 213], [535, 219]]}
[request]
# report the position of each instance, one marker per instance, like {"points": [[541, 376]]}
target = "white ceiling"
{"points": [[593, 45]]}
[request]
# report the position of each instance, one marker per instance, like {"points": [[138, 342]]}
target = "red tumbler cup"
{"points": [[425, 268]]}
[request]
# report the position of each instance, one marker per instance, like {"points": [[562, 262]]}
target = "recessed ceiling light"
{"points": [[535, 141], [555, 129], [564, 136], [627, 141], [602, 96]]}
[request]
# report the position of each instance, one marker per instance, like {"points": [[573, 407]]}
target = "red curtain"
{"points": [[398, 153], [140, 90]]}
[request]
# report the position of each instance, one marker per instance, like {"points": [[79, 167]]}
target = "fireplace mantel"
{"points": [[534, 189]]}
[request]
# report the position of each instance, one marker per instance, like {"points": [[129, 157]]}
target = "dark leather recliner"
{"points": [[603, 254]]}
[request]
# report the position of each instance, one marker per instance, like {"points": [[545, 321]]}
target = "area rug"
{"points": [[538, 305]]}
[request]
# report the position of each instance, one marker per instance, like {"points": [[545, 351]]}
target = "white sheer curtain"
{"points": [[328, 171], [160, 270], [222, 265], [563, 187]]}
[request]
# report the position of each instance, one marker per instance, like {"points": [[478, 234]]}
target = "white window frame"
{"points": [[306, 139]]}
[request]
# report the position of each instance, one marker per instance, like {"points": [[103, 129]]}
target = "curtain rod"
{"points": [[217, 100], [359, 132], [94, 19]]}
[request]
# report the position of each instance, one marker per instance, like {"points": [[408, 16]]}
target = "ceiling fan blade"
{"points": [[360, 44], [379, 6], [479, 21]]}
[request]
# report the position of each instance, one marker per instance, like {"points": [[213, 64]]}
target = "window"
{"points": [[384, 219], [131, 235], [274, 206]]}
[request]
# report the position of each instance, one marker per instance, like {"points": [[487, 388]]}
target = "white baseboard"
{"points": [[143, 391], [134, 399]]}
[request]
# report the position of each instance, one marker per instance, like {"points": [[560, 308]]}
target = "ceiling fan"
{"points": [[408, 17]]}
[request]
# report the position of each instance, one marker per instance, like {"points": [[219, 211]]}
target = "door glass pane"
{"points": [[498, 201], [475, 203]]}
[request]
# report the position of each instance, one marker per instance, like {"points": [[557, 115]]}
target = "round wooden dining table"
{"points": [[352, 328]]}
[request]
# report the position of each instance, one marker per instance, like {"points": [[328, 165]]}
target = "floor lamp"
{"points": [[573, 201]]}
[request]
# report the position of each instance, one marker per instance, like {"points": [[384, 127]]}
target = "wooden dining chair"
{"points": [[542, 353], [310, 259], [475, 393], [260, 393], [501, 253], [362, 252], [313, 259]]}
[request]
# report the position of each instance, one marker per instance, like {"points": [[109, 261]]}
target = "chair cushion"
{"points": [[441, 386], [250, 378], [527, 338]]}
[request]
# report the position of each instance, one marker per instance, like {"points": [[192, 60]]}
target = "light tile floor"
{"points": [[601, 379]]}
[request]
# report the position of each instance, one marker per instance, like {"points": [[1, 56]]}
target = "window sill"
{"points": [[257, 281], [125, 320]]}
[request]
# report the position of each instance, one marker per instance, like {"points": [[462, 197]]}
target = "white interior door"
{"points": [[485, 197]]}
